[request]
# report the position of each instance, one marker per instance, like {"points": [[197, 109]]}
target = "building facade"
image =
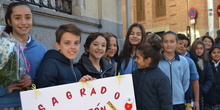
{"points": [[159, 16], [89, 15]]}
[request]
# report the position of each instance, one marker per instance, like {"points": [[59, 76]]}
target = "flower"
{"points": [[12, 60]]}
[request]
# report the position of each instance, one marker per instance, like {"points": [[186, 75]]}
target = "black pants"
{"points": [[179, 107]]}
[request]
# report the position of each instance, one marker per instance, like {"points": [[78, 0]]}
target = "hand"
{"points": [[196, 106], [14, 86], [26, 81], [188, 108], [86, 78]]}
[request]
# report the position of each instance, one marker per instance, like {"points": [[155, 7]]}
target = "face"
{"points": [[97, 48], [208, 43], [69, 45], [215, 55], [113, 47], [199, 50], [181, 47], [169, 43], [141, 62], [21, 21], [135, 36]]}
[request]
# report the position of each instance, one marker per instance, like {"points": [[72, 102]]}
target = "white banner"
{"points": [[113, 93]]}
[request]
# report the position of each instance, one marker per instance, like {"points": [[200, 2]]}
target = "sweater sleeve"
{"points": [[208, 78], [165, 94]]}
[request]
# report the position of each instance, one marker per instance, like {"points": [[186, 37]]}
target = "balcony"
{"points": [[64, 6]]}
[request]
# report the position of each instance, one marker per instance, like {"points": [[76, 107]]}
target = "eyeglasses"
{"points": [[199, 48]]}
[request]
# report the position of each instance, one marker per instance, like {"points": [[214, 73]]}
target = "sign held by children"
{"points": [[113, 93]]}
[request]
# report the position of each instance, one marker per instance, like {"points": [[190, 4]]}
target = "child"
{"points": [[151, 85], [57, 66], [200, 57], [182, 45], [212, 98], [112, 53], [19, 22], [209, 42], [92, 61], [134, 37], [176, 68]]}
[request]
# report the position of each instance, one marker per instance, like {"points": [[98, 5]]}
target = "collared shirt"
{"points": [[216, 64]]}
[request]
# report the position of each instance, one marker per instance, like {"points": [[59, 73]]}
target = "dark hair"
{"points": [[9, 11], [71, 28], [218, 33], [209, 37], [92, 37], [204, 56], [170, 32], [217, 40], [153, 38], [109, 35], [151, 50], [183, 37], [127, 48], [212, 49]]}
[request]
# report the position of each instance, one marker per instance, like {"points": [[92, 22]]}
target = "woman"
{"points": [[200, 57], [92, 61], [151, 86], [57, 66], [134, 37], [19, 22]]}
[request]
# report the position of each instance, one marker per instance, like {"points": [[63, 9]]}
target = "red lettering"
{"points": [[103, 108], [93, 91], [82, 91], [103, 90], [54, 101], [117, 95], [68, 95], [41, 107]]}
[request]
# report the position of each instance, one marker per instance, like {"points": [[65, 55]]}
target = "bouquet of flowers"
{"points": [[12, 60]]}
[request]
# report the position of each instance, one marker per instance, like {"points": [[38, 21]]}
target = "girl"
{"points": [[209, 42], [58, 67], [151, 85], [134, 37], [176, 68], [212, 98], [19, 22], [199, 56], [112, 53], [92, 61]]}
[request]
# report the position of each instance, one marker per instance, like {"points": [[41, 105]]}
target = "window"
{"points": [[160, 7], [140, 10]]}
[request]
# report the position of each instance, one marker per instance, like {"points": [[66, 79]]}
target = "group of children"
{"points": [[166, 76]]}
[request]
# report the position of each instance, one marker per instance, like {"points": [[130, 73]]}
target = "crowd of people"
{"points": [[168, 73]]}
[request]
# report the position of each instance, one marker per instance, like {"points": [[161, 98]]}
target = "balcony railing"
{"points": [[58, 5]]}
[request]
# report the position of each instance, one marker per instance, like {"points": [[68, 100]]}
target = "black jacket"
{"points": [[213, 96], [205, 76], [152, 89], [86, 67], [56, 69]]}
